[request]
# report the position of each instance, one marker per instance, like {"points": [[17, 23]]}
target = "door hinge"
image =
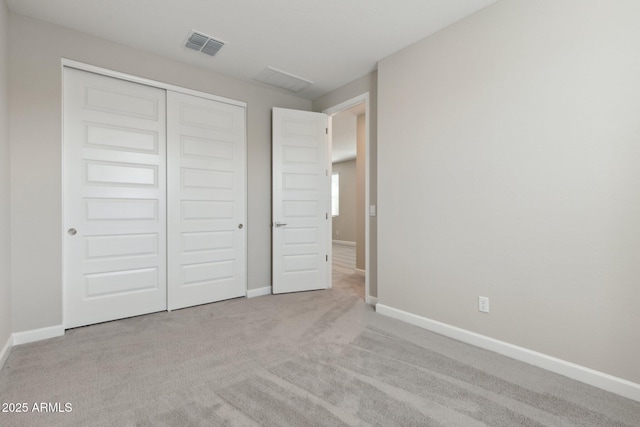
{"points": [[326, 216], [326, 131], [326, 172], [326, 258]]}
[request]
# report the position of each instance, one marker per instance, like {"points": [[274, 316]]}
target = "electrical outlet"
{"points": [[483, 304]]}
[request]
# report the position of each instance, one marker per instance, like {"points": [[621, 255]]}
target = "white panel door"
{"points": [[301, 201], [114, 199], [207, 200]]}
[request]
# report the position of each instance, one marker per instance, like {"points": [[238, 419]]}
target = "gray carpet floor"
{"points": [[320, 358]]}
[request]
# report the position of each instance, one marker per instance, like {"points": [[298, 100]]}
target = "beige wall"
{"points": [[344, 225], [35, 77], [5, 276], [368, 83], [360, 191], [509, 168]]}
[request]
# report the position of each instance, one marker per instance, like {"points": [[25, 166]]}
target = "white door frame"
{"points": [[69, 63], [332, 111]]}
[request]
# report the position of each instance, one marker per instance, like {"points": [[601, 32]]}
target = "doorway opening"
{"points": [[349, 153]]}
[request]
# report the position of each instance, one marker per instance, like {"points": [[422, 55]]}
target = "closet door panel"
{"points": [[114, 198], [207, 200]]}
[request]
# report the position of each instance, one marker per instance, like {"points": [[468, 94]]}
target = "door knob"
{"points": [[240, 226], [72, 231]]}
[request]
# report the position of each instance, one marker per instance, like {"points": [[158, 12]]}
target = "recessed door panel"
{"points": [[206, 210], [202, 147], [302, 263], [203, 178], [122, 282], [300, 236], [300, 155], [120, 138], [207, 273], [124, 209], [214, 116], [121, 174], [294, 209], [205, 241], [123, 245], [126, 101]]}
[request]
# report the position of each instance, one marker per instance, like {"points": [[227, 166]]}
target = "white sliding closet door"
{"points": [[206, 200], [114, 198]]}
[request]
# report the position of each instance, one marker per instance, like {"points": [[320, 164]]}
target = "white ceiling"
{"points": [[330, 42]]}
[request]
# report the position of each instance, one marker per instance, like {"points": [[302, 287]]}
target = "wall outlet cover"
{"points": [[483, 304]]}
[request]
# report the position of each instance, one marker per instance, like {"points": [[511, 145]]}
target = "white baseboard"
{"points": [[343, 243], [371, 300], [37, 334], [360, 272], [580, 373], [6, 350], [251, 293]]}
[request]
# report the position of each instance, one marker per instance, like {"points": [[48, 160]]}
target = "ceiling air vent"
{"points": [[283, 80], [203, 43]]}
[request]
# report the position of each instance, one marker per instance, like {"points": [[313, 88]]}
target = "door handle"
{"points": [[280, 224], [72, 231]]}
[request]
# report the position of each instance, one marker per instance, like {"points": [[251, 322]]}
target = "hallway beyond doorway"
{"points": [[344, 268]]}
